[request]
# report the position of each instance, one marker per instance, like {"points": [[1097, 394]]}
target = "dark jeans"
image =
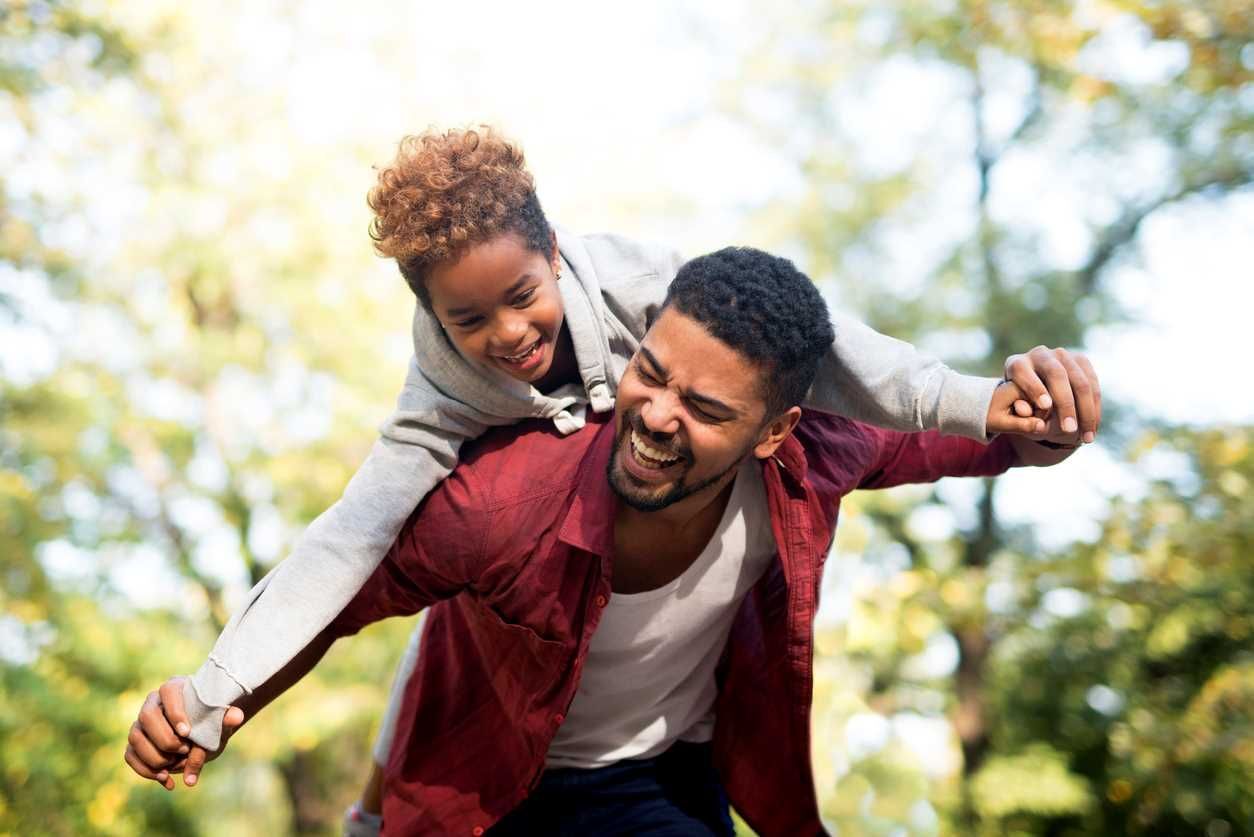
{"points": [[676, 793]]}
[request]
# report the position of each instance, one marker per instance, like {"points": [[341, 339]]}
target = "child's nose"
{"points": [[510, 330]]}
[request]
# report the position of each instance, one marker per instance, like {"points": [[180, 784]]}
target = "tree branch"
{"points": [[1125, 230]]}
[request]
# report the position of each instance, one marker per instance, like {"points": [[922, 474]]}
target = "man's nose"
{"points": [[660, 414]]}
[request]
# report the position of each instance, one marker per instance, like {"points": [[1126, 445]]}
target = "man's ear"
{"points": [[776, 431]]}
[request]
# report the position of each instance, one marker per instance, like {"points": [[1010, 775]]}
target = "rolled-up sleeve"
{"points": [[926, 457]]}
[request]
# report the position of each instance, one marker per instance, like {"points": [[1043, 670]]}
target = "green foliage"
{"points": [[1034, 782], [1149, 691], [184, 426]]}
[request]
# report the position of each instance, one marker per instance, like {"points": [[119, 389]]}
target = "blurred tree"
{"points": [[974, 175], [1147, 690], [169, 416]]}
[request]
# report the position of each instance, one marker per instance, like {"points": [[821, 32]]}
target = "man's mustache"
{"points": [[666, 444]]}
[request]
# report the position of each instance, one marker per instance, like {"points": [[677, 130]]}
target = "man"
{"points": [[620, 628]]}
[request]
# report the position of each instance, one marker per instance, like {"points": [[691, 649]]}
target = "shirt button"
{"points": [[601, 601], [558, 718], [477, 831]]}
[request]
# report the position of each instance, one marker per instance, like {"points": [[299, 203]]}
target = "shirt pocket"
{"points": [[526, 670]]}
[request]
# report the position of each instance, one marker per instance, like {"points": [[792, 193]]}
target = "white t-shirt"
{"points": [[648, 679]]}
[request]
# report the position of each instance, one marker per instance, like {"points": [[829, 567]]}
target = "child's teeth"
{"points": [[524, 355]]}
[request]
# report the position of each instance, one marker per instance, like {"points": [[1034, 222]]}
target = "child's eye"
{"points": [[525, 298], [469, 322]]}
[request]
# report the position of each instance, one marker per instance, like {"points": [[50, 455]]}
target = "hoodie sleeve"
{"points": [[418, 447], [879, 380]]}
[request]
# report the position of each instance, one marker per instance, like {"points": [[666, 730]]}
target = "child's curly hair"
{"points": [[448, 190]]}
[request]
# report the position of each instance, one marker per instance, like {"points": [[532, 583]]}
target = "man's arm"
{"points": [[913, 458]]}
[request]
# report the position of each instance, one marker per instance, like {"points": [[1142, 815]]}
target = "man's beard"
{"points": [[624, 483]]}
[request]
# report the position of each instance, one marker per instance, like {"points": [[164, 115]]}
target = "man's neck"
{"points": [[654, 548]]}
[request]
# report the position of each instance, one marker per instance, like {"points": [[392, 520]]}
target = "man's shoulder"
{"points": [[817, 428], [837, 448], [530, 460]]}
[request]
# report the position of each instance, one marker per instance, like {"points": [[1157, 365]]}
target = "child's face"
{"points": [[500, 306]]}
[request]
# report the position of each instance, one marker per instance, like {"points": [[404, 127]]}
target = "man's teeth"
{"points": [[646, 450]]}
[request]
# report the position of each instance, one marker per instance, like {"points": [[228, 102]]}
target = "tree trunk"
{"points": [[310, 812], [974, 643]]}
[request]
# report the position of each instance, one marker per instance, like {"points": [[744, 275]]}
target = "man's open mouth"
{"points": [[649, 456]]}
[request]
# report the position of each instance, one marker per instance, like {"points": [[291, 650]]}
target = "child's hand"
{"points": [[157, 745]]}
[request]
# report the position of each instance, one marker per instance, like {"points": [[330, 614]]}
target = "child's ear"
{"points": [[555, 257]]}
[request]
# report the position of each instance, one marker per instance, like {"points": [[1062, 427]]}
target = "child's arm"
{"points": [[417, 449], [887, 382], [431, 560], [866, 376]]}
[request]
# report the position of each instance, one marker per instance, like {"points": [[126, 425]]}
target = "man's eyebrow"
{"points": [[522, 280], [705, 400], [659, 368], [709, 402]]}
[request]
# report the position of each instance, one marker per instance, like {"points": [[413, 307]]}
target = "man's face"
{"points": [[689, 410]]}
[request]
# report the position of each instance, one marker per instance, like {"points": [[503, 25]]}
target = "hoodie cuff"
{"points": [[962, 405], [207, 695]]}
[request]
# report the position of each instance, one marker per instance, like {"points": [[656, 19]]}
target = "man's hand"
{"points": [[1048, 386], [157, 746]]}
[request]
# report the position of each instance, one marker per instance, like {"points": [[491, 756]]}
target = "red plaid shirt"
{"points": [[513, 554]]}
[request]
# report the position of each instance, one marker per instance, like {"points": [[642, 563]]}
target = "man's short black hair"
{"points": [[764, 308]]}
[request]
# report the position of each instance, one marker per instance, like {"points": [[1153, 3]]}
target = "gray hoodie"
{"points": [[611, 288]]}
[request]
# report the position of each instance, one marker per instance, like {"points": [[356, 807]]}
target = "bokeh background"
{"points": [[197, 344]]}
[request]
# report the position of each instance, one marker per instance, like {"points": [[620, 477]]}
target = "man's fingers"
{"points": [[233, 718], [172, 702], [1021, 370], [195, 763], [146, 750], [1082, 391], [1087, 366], [153, 721], [161, 777], [1055, 375]]}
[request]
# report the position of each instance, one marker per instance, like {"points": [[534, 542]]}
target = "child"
{"points": [[517, 321]]}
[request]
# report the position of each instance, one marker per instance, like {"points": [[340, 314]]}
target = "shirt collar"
{"points": [[791, 457], [589, 522]]}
